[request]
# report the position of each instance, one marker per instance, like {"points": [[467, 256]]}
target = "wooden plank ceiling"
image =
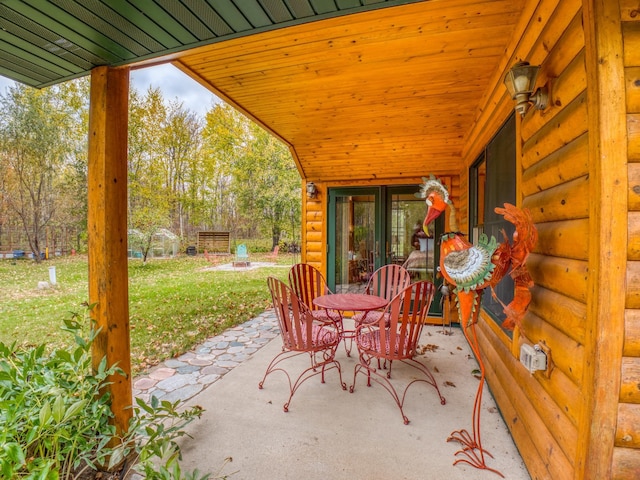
{"points": [[43, 42], [359, 89], [376, 95]]}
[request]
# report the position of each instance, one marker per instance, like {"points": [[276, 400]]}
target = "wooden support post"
{"points": [[607, 236], [108, 275]]}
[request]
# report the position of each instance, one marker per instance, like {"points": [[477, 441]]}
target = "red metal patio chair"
{"points": [[394, 337], [307, 282], [302, 334], [387, 281]]}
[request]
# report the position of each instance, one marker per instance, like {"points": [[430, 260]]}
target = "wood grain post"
{"points": [[108, 275], [607, 236]]}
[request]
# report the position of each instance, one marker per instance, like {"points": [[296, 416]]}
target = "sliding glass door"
{"points": [[374, 226]]}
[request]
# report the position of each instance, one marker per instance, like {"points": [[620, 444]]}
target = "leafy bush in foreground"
{"points": [[55, 420]]}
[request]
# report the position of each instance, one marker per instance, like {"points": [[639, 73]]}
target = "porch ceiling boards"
{"points": [[43, 42], [381, 94], [359, 89]]}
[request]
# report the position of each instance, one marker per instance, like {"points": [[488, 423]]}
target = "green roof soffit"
{"points": [[44, 42]]}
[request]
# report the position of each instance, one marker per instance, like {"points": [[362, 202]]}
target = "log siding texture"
{"points": [[573, 423], [546, 413]]}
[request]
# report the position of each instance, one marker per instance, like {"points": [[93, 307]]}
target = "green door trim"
{"points": [[331, 225]]}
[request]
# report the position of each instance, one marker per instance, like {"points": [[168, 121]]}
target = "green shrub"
{"points": [[55, 422]]}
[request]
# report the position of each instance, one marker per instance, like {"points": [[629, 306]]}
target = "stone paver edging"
{"points": [[187, 375]]}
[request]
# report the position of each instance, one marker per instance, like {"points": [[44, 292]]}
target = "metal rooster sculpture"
{"points": [[470, 269]]}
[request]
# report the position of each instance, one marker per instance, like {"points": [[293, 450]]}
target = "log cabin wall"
{"points": [[564, 421], [314, 227], [544, 414], [555, 187]]}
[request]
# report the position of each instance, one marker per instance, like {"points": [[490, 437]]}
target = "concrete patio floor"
{"points": [[332, 434]]}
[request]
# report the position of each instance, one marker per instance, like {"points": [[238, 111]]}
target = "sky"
{"points": [[172, 82]]}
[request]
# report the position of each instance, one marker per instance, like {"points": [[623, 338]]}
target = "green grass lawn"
{"points": [[174, 304]]}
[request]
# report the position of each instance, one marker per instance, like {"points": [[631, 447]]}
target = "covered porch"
{"points": [[328, 432]]}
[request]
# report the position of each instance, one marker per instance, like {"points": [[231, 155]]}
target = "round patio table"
{"points": [[350, 302], [347, 302]]}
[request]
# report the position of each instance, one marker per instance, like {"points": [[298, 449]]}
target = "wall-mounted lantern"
{"points": [[521, 81], [312, 190]]}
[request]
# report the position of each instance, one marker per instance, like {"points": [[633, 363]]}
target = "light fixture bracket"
{"points": [[540, 99]]}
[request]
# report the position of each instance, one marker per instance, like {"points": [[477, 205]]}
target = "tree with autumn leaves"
{"points": [[258, 185], [42, 159], [186, 173]]}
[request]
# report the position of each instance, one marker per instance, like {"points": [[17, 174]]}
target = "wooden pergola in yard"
{"points": [[381, 93]]}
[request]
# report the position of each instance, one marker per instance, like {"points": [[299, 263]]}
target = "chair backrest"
{"points": [[307, 282], [276, 249], [407, 313], [388, 281], [294, 318], [241, 250]]}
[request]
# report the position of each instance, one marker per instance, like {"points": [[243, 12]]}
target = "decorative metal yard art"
{"points": [[470, 269]]}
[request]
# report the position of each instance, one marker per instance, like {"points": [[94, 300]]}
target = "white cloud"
{"points": [[174, 85]]}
